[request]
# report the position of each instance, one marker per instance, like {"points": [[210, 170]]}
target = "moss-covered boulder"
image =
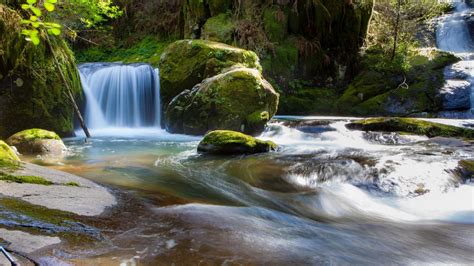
{"points": [[186, 63], [411, 125], [8, 157], [387, 87], [32, 93], [239, 100], [37, 142], [226, 142]]}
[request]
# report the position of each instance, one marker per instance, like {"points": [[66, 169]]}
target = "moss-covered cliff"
{"points": [[32, 93]]}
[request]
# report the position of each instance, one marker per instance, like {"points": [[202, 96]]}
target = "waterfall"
{"points": [[453, 35], [120, 95]]}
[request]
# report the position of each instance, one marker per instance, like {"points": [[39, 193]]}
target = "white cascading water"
{"points": [[125, 96], [453, 35]]}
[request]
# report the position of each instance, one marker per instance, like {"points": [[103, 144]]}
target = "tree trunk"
{"points": [[396, 30], [69, 91]]}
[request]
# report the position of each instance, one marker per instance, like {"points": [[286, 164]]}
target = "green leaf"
{"points": [[36, 24], [31, 2], [52, 25], [36, 11], [51, 1], [54, 31], [33, 18], [25, 7], [35, 39], [49, 6]]}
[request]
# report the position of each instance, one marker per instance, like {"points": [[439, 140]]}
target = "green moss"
{"points": [[231, 142], [467, 165], [411, 125], [283, 63], [148, 50], [275, 22], [72, 184], [8, 159], [219, 29], [36, 212], [25, 179], [35, 134]]}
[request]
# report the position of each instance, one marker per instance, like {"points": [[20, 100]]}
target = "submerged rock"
{"points": [[239, 100], [186, 63], [37, 142], [231, 142], [411, 125]]}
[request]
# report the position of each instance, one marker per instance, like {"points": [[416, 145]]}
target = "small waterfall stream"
{"points": [[126, 96], [453, 35]]}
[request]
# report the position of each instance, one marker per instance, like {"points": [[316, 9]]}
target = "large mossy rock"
{"points": [[186, 63], [8, 157], [37, 142], [32, 93], [226, 142], [384, 89], [411, 125], [239, 100]]}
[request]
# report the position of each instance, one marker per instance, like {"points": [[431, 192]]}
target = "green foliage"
{"points": [[35, 23], [308, 101], [412, 15]]}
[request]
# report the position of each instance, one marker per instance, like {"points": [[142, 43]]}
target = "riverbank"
{"points": [[40, 208]]}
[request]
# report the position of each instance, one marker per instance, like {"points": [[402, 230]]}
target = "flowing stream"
{"points": [[453, 35], [328, 196]]}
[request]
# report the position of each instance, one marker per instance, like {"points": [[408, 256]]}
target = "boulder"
{"points": [[186, 63], [38, 142], [32, 93], [226, 142], [239, 99], [411, 125]]}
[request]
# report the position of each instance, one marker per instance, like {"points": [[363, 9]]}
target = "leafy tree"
{"points": [[35, 22]]}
